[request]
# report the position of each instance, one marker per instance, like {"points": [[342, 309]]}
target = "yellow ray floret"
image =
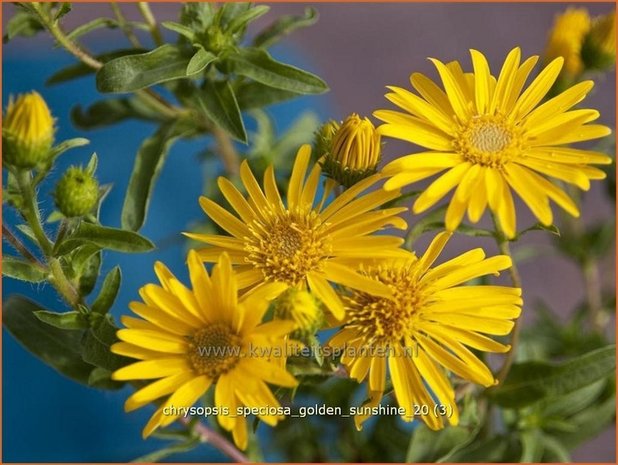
{"points": [[301, 243], [187, 340], [426, 330], [492, 137]]}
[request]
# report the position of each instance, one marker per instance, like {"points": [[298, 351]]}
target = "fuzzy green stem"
{"points": [[146, 12], [125, 26], [210, 436], [30, 212], [504, 247], [19, 246]]}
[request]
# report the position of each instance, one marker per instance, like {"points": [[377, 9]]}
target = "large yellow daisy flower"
{"points": [[425, 329], [188, 340], [491, 137], [300, 244]]}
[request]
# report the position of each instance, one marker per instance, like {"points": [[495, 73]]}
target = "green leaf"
{"points": [[180, 29], [430, 222], [58, 348], [68, 320], [109, 291], [256, 95], [200, 61], [589, 423], [102, 379], [90, 26], [161, 454], [439, 446], [17, 268], [63, 9], [283, 26], [231, 10], [257, 64], [90, 274], [111, 111], [555, 452], [80, 69], [134, 72], [530, 382], [67, 145], [218, 102], [240, 21], [22, 24], [197, 16], [538, 227], [79, 256], [148, 163], [97, 343], [106, 238], [532, 446]]}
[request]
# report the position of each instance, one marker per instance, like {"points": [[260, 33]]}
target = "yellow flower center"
{"points": [[214, 350], [382, 320], [288, 246], [488, 141]]}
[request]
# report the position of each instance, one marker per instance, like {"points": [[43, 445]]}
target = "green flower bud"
{"points": [[324, 137], [27, 131], [302, 308], [76, 193]]}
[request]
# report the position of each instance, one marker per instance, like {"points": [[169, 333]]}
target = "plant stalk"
{"points": [[505, 249], [210, 436]]}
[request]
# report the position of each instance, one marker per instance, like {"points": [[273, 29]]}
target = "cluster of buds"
{"points": [[599, 47], [350, 151], [27, 139]]}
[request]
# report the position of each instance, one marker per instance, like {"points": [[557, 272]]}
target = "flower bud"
{"points": [[27, 131], [599, 48], [324, 137], [354, 153], [566, 38], [76, 193], [302, 308]]}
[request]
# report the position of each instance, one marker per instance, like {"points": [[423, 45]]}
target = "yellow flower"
{"points": [[492, 137], [303, 309], [354, 152], [190, 339], [425, 329], [566, 39], [300, 244], [599, 48], [27, 131]]}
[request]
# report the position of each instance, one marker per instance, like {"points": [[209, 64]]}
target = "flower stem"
{"points": [[19, 246], [208, 435], [125, 26], [227, 152], [146, 12], [504, 247], [30, 212]]}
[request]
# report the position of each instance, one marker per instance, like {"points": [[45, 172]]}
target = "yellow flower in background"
{"points": [[277, 246], [27, 131], [354, 152], [492, 136], [599, 48], [190, 339], [566, 39], [425, 329]]}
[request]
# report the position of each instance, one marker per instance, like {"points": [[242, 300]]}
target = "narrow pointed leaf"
{"points": [[218, 102], [109, 291], [23, 270]]}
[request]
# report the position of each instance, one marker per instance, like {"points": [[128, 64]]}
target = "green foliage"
{"points": [[533, 381], [23, 270], [104, 237]]}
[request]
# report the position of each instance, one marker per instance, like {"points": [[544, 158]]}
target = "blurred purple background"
{"points": [[360, 48]]}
